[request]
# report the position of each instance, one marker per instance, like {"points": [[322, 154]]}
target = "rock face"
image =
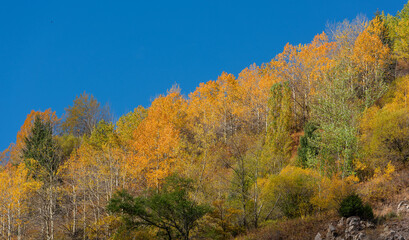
{"points": [[353, 228]]}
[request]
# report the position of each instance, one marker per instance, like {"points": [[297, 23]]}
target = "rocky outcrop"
{"points": [[353, 228], [389, 234]]}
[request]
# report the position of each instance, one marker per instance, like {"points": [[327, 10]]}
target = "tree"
{"points": [[94, 171], [127, 124], [83, 115], [308, 150], [157, 140], [399, 32], [16, 191], [168, 209], [255, 85], [280, 121], [41, 151], [336, 112], [42, 158], [303, 67], [16, 150], [385, 131], [370, 57]]}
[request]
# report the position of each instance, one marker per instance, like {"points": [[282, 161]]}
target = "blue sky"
{"points": [[128, 52]]}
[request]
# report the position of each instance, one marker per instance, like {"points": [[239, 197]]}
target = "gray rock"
{"points": [[341, 222], [353, 221], [353, 229], [403, 208], [370, 225], [318, 236], [331, 228], [331, 233], [360, 236]]}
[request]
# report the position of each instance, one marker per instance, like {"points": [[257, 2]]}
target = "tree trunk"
{"points": [[8, 224], [74, 210]]}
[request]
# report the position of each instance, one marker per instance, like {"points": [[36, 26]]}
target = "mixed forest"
{"points": [[288, 139]]}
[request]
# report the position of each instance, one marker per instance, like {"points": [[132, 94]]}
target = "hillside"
{"points": [[276, 152]]}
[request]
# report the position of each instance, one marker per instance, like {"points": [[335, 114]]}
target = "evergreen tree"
{"points": [[42, 157], [308, 150]]}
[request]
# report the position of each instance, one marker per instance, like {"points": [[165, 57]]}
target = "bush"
{"points": [[353, 206], [367, 212]]}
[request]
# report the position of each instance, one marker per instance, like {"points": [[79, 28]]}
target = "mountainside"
{"points": [[280, 151]]}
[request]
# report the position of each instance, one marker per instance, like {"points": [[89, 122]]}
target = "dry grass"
{"points": [[386, 192], [293, 229]]}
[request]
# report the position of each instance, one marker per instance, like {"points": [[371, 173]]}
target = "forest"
{"points": [[289, 139]]}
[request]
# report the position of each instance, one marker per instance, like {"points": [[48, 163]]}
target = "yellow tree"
{"points": [[255, 85], [303, 66], [127, 124], [16, 191], [384, 131], [371, 56], [399, 32], [157, 139], [94, 171]]}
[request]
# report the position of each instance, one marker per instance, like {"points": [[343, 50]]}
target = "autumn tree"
{"points": [[16, 192], [371, 57], [83, 115], [398, 26], [278, 140], [255, 84], [92, 174], [127, 124], [384, 131], [157, 140], [303, 66]]}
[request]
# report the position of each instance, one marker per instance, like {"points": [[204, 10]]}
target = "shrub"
{"points": [[296, 192], [353, 206], [367, 212]]}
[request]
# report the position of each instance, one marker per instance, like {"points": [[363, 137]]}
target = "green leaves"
{"points": [[169, 209], [352, 205], [308, 149], [41, 152]]}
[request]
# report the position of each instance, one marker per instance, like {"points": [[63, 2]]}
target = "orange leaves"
{"points": [[157, 139], [369, 51], [304, 66]]}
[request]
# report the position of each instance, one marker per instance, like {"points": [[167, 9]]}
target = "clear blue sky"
{"points": [[128, 52]]}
